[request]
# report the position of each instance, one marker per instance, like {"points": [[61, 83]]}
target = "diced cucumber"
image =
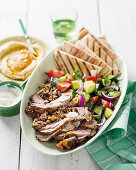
{"points": [[110, 89], [106, 82], [62, 79], [87, 97], [100, 91], [110, 94], [113, 83], [89, 86], [108, 112], [82, 93], [97, 109], [111, 77], [116, 93], [98, 116], [75, 85]]}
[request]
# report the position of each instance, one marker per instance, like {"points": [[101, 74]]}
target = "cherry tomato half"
{"points": [[62, 87], [56, 73]]}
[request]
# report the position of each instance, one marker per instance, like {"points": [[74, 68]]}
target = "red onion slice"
{"points": [[85, 75], [112, 86], [111, 105], [93, 73], [109, 98], [81, 101], [47, 73]]}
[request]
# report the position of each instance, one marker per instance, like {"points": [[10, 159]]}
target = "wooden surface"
{"points": [[116, 19]]}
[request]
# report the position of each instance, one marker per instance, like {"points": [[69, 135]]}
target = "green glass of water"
{"points": [[64, 23]]}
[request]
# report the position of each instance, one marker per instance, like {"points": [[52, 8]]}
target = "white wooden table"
{"points": [[116, 19]]}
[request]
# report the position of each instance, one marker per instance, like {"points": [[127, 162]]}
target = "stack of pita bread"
{"points": [[88, 53]]}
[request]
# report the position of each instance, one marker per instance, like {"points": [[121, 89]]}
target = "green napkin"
{"points": [[115, 149]]}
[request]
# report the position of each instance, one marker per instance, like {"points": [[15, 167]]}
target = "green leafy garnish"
{"points": [[89, 104], [76, 74], [54, 81], [74, 94]]}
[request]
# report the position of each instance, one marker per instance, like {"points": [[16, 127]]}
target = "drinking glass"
{"points": [[64, 23]]}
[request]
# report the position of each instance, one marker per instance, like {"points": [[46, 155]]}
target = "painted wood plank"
{"points": [[34, 160], [118, 23], [9, 142], [39, 25], [10, 11]]}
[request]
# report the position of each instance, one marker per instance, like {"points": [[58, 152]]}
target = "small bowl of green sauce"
{"points": [[10, 98]]}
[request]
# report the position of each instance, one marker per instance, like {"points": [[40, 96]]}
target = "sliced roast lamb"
{"points": [[37, 125], [63, 100], [37, 99], [39, 106], [74, 138], [89, 125], [48, 129], [80, 113], [69, 143], [78, 133], [45, 138]]}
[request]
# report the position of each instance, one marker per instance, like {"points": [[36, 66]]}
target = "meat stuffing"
{"points": [[56, 119]]}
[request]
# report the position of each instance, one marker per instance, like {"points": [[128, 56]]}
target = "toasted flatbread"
{"points": [[88, 40], [106, 69], [67, 63], [103, 39], [84, 55], [83, 32]]}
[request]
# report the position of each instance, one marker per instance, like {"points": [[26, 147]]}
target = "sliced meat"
{"points": [[37, 99], [32, 112], [78, 133], [72, 139], [81, 139], [43, 116], [45, 138], [37, 125], [71, 125], [72, 115], [80, 110], [60, 137], [90, 125], [69, 143], [48, 129], [63, 100], [80, 113]]}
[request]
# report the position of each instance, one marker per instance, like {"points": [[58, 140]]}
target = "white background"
{"points": [[115, 19]]}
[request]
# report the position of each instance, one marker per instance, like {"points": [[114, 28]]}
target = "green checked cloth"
{"points": [[115, 149]]}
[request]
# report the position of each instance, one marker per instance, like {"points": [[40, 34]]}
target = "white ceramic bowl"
{"points": [[37, 78]]}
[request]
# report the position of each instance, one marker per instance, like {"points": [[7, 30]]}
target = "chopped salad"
{"points": [[98, 93]]}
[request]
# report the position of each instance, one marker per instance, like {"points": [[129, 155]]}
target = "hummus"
{"points": [[16, 62]]}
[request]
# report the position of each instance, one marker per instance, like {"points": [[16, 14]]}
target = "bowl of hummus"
{"points": [[16, 61]]}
